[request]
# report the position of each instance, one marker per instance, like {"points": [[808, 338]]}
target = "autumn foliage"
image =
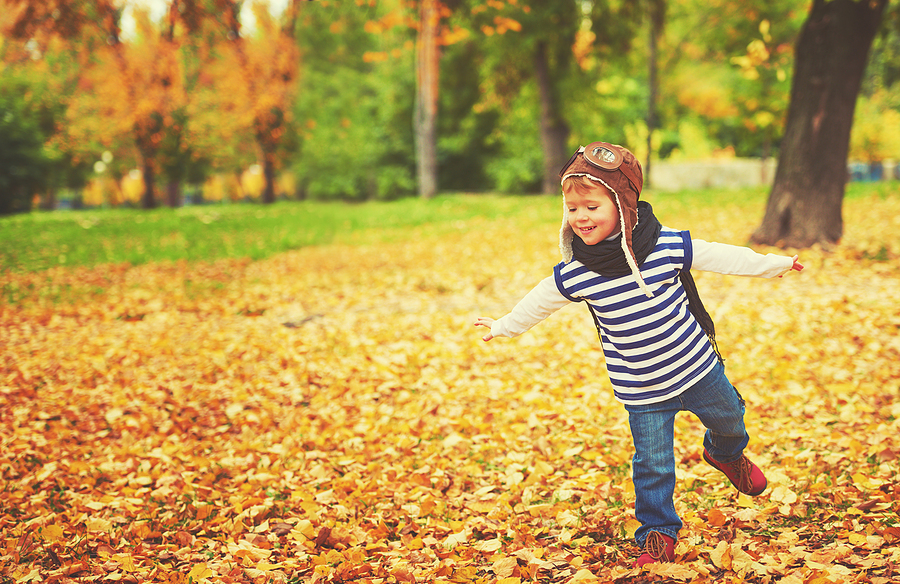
{"points": [[182, 88], [330, 415]]}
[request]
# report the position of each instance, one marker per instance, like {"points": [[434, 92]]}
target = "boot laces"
{"points": [[742, 472], [655, 545]]}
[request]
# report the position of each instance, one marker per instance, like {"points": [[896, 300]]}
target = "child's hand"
{"points": [[797, 266], [485, 322]]}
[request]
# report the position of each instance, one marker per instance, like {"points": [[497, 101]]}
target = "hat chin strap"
{"points": [[565, 238], [566, 233]]}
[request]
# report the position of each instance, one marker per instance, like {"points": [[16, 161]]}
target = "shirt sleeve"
{"points": [[733, 260], [543, 300]]}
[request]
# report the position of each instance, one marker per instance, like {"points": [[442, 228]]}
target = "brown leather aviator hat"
{"points": [[616, 168]]}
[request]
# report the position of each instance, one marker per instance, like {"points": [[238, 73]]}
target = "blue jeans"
{"points": [[720, 408]]}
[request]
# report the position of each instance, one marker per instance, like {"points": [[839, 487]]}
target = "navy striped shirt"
{"points": [[654, 347]]}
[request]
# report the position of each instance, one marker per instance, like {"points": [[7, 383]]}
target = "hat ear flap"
{"points": [[565, 237]]}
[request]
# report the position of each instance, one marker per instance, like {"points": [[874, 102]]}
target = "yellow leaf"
{"points": [[567, 519], [583, 575], [630, 527], [113, 414], [857, 539], [455, 539], [125, 561], [721, 556], [488, 545], [864, 482], [745, 501], [542, 468], [200, 572], [32, 576], [573, 451], [265, 566], [97, 524], [305, 528], [46, 471], [503, 568], [52, 533], [784, 495], [673, 570], [741, 561], [514, 479]]}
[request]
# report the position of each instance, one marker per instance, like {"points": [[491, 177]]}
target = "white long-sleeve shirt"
{"points": [[721, 258]]}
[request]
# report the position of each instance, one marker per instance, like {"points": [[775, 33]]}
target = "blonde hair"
{"points": [[583, 185]]}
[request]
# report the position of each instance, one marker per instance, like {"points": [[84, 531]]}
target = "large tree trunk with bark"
{"points": [[427, 61], [554, 130], [804, 205]]}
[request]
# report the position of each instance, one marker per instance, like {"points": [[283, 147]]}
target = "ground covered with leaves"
{"points": [[331, 415]]}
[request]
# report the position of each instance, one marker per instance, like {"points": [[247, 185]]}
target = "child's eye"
{"points": [[592, 208]]}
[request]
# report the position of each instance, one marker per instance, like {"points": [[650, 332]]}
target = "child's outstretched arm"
{"points": [[733, 260], [543, 300]]}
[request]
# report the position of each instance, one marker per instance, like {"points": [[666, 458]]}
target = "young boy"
{"points": [[658, 340]]}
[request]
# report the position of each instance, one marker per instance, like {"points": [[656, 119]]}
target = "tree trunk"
{"points": [[554, 130], [148, 199], [804, 205], [656, 13], [269, 178], [427, 59], [48, 201], [173, 194]]}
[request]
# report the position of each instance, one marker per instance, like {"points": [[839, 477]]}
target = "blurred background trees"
{"points": [[261, 99], [23, 162]]}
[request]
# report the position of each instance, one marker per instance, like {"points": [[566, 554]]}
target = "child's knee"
{"points": [[732, 426]]}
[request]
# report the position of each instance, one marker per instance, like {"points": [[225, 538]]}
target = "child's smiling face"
{"points": [[592, 213]]}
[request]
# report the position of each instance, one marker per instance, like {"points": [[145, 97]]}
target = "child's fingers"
{"points": [[485, 322]]}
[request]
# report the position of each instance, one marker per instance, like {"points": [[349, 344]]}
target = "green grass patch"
{"points": [[42, 240]]}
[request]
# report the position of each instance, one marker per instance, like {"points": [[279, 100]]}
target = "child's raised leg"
{"points": [[721, 409]]}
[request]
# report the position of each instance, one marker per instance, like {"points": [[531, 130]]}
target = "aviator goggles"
{"points": [[606, 157]]}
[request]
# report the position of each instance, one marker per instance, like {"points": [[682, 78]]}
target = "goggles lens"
{"points": [[603, 155], [599, 154]]}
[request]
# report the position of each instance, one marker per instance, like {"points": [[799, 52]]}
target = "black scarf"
{"points": [[607, 258]]}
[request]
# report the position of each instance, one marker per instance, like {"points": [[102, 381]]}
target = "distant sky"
{"points": [[158, 10]]}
